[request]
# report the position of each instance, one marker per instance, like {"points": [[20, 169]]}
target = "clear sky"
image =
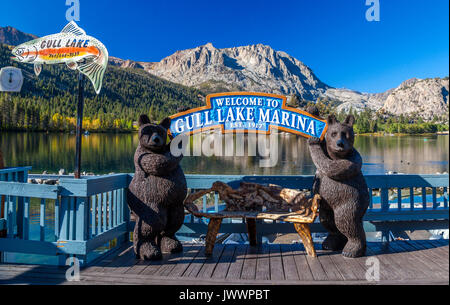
{"points": [[331, 37]]}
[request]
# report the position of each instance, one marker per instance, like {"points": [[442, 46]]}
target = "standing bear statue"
{"points": [[156, 193], [341, 185]]}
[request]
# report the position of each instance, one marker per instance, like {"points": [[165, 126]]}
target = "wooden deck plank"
{"points": [[432, 268], [224, 263], [440, 258], [276, 263], [263, 263], [197, 263], [235, 270], [128, 262], [401, 262], [413, 263], [328, 265], [211, 262], [348, 270], [398, 262], [171, 260], [388, 269], [316, 267], [250, 262], [301, 263], [125, 257], [290, 269], [440, 247], [182, 265], [440, 254], [404, 261], [103, 279], [98, 264]]}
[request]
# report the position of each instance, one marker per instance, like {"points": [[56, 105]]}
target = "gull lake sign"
{"points": [[245, 112]]}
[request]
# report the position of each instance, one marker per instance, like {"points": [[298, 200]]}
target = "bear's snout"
{"points": [[340, 143]]}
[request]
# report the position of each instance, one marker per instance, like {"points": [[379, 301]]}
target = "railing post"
{"points": [[82, 218], [384, 196], [22, 176], [126, 213], [385, 236]]}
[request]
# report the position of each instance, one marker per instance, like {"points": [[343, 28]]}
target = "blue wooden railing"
{"points": [[422, 204], [91, 212], [15, 174], [88, 213]]}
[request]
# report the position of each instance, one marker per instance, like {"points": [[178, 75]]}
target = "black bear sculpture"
{"points": [[156, 193], [341, 185]]}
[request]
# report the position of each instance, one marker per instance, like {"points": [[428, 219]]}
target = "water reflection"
{"points": [[106, 153]]}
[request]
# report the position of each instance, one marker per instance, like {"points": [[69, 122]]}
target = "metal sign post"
{"points": [[79, 125]]}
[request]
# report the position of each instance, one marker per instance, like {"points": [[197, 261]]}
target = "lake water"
{"points": [[106, 153]]}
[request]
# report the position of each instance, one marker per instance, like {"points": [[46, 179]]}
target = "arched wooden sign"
{"points": [[247, 112]]}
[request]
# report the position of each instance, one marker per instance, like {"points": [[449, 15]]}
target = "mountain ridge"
{"points": [[12, 36], [260, 68]]}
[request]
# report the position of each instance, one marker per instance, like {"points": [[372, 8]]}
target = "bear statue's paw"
{"points": [[334, 242], [354, 250], [314, 141], [149, 252], [171, 245]]}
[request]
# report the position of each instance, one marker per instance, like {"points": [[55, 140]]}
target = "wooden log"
{"points": [[251, 196], [251, 229], [305, 234], [213, 230]]}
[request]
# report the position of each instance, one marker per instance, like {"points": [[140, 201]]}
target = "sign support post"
{"points": [[79, 125]]}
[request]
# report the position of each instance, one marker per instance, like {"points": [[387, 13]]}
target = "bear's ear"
{"points": [[144, 119], [331, 119], [350, 120], [166, 123]]}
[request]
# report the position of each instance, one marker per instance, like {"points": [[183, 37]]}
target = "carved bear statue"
{"points": [[156, 193], [340, 183]]}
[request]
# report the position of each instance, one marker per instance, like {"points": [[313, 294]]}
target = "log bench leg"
{"points": [[213, 229], [251, 229], [305, 234]]}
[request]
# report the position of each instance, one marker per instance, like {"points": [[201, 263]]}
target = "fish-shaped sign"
{"points": [[73, 47]]}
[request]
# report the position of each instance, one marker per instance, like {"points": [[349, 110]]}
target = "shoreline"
{"points": [[382, 134], [377, 134]]}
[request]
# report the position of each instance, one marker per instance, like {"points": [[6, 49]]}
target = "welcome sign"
{"points": [[245, 112]]}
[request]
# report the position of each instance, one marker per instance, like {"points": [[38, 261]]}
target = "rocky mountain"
{"points": [[13, 37], [426, 97], [248, 68], [121, 63], [262, 69]]}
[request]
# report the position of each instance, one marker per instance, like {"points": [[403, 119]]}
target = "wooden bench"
{"points": [[301, 221]]}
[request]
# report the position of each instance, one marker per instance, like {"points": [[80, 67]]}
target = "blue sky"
{"points": [[332, 37]]}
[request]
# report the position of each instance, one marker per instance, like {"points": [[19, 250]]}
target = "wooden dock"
{"points": [[401, 262]]}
